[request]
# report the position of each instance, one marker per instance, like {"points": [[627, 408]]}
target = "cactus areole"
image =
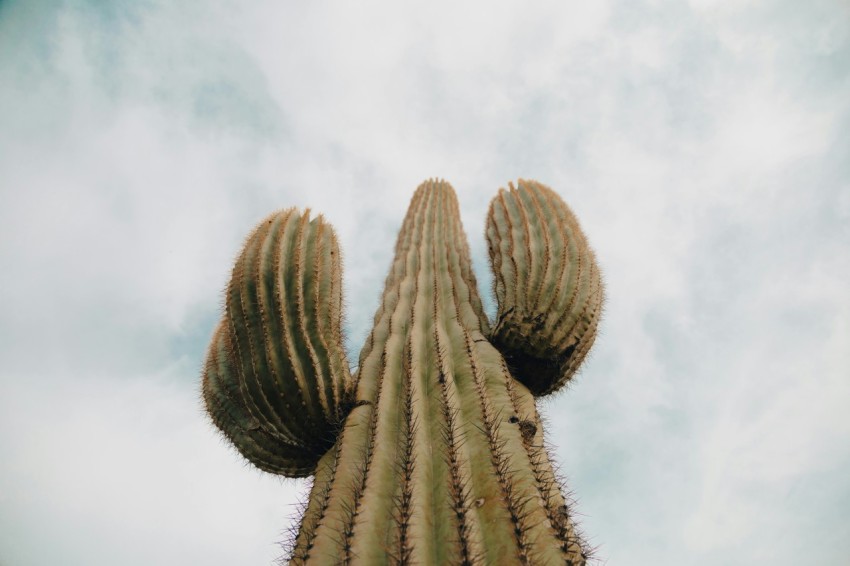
{"points": [[433, 452]]}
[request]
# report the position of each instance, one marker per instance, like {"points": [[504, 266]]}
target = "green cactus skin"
{"points": [[435, 453], [547, 284], [277, 382]]}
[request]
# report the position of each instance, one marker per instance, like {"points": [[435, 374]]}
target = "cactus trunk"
{"points": [[442, 460]]}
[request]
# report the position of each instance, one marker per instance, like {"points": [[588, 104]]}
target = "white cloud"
{"points": [[99, 470]]}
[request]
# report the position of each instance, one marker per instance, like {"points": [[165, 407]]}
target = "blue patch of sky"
{"points": [[829, 175], [545, 129], [820, 500], [191, 341], [27, 30], [212, 83]]}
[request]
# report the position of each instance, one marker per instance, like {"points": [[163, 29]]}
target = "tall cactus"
{"points": [[433, 453]]}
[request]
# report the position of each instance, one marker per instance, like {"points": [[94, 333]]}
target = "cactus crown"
{"points": [[433, 453]]}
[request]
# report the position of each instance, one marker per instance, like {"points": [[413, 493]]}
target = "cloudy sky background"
{"points": [[705, 147]]}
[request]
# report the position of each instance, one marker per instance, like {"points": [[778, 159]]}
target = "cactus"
{"points": [[433, 453]]}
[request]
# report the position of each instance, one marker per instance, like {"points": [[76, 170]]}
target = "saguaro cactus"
{"points": [[433, 453]]}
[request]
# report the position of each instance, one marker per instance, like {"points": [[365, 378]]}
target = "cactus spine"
{"points": [[434, 453]]}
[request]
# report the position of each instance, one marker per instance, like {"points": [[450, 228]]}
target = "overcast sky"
{"points": [[704, 146]]}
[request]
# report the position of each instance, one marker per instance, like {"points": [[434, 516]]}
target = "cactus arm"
{"points": [[276, 360], [249, 330], [310, 345], [547, 285]]}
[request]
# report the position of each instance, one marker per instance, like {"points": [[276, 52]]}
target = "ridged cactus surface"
{"points": [[547, 284], [434, 453], [276, 380]]}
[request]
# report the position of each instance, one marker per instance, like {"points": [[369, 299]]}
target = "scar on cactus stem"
{"points": [[433, 453]]}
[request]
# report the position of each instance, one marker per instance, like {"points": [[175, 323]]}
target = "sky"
{"points": [[703, 145]]}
